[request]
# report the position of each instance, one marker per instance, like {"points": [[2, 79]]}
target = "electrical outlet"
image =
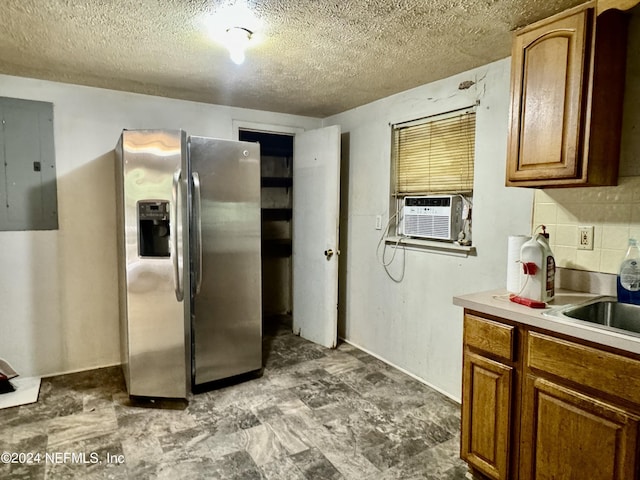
{"points": [[378, 222], [585, 237]]}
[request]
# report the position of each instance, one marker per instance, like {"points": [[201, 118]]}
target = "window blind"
{"points": [[435, 155]]}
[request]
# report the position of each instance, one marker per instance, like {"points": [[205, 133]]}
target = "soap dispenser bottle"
{"points": [[629, 275]]}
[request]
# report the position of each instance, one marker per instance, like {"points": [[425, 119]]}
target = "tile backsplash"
{"points": [[614, 212]]}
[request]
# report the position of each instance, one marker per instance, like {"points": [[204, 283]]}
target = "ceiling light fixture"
{"points": [[237, 40], [236, 27]]}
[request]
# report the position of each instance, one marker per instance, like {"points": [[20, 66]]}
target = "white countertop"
{"points": [[496, 302]]}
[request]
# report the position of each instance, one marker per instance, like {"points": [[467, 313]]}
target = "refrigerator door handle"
{"points": [[173, 228], [198, 220]]}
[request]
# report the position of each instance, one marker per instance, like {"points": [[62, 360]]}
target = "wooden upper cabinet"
{"points": [[567, 88], [618, 4]]}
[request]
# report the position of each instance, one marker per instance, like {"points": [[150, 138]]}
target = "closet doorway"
{"points": [[276, 157]]}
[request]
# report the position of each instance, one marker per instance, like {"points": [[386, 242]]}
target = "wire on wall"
{"points": [[381, 259]]}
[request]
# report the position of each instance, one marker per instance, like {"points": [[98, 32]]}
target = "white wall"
{"points": [[413, 323], [58, 289], [58, 292]]}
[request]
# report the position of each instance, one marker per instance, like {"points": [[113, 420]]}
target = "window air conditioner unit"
{"points": [[434, 216]]}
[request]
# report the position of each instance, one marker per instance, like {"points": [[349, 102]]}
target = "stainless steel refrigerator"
{"points": [[188, 211]]}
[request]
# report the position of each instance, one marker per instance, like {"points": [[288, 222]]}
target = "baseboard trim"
{"points": [[79, 370]]}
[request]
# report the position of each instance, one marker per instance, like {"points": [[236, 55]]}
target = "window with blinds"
{"points": [[435, 154]]}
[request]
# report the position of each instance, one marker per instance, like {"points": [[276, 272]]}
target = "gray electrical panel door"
{"points": [[28, 198]]}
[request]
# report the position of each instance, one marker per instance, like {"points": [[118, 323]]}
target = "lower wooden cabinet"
{"points": [[539, 407], [487, 395], [567, 434], [485, 416]]}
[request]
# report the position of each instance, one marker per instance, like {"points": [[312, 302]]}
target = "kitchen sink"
{"points": [[606, 312]]}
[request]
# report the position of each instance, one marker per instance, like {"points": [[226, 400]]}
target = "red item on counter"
{"points": [[527, 301]]}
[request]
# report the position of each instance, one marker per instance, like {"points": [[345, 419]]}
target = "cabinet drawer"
{"points": [[604, 371], [489, 336]]}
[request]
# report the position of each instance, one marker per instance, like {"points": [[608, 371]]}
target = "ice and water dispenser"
{"points": [[153, 229]]}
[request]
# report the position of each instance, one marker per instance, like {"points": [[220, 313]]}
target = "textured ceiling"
{"points": [[317, 58]]}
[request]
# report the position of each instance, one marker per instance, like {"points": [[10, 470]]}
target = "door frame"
{"points": [[238, 125]]}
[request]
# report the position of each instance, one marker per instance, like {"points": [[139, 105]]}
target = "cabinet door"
{"points": [[486, 413], [566, 435], [617, 4], [548, 87]]}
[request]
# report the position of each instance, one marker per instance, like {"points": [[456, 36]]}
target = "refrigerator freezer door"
{"points": [[151, 198], [227, 311]]}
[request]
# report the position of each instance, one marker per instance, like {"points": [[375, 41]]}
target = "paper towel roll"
{"points": [[514, 269]]}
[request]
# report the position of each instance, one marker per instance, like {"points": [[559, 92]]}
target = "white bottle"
{"points": [[548, 267], [538, 282], [531, 257]]}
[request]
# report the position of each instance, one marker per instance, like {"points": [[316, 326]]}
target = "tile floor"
{"points": [[314, 414]]}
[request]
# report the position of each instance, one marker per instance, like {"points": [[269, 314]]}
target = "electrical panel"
{"points": [[28, 189]]}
